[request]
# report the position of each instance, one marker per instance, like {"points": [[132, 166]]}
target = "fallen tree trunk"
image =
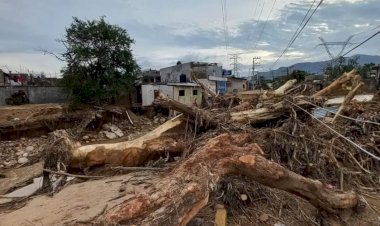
{"points": [[182, 193], [265, 94], [127, 153], [205, 88], [348, 98], [200, 115], [336, 84], [249, 116]]}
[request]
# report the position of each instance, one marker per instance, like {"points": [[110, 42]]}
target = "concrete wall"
{"points": [[36, 94], [209, 84], [171, 74], [2, 81], [147, 93], [189, 98], [202, 70], [236, 85]]}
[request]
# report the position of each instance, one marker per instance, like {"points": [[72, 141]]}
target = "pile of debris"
{"points": [[263, 157]]}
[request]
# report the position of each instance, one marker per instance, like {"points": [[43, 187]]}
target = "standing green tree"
{"points": [[100, 65]]}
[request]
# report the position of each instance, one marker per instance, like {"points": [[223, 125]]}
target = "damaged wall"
{"points": [[36, 94]]}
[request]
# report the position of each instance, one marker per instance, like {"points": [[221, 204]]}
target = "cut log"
{"points": [[336, 84], [265, 94], [348, 99], [202, 116], [205, 88], [127, 153], [182, 193]]}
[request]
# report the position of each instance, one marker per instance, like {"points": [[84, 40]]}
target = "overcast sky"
{"points": [[166, 31]]}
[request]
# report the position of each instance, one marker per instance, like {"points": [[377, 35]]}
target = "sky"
{"points": [[167, 31]]}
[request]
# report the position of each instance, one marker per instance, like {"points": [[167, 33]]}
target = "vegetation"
{"points": [[300, 75], [100, 65], [339, 66]]}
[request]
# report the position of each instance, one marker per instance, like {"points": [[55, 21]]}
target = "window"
{"points": [[182, 78], [243, 86], [195, 92], [181, 93]]}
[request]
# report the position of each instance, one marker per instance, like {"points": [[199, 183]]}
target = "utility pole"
{"points": [[253, 70], [235, 57]]}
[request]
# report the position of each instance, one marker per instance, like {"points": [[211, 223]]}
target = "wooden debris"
{"points": [[220, 156], [73, 175], [337, 84], [129, 118], [127, 153], [221, 217], [348, 98]]}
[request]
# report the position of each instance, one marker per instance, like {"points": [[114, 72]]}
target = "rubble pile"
{"points": [[256, 158]]}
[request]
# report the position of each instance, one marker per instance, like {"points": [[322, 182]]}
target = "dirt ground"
{"points": [[23, 112], [80, 202]]}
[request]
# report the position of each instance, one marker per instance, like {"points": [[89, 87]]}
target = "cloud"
{"points": [[168, 31]]}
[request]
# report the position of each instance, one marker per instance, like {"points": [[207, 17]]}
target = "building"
{"points": [[375, 73], [186, 93], [150, 77], [182, 72], [210, 74], [2, 77], [235, 84]]}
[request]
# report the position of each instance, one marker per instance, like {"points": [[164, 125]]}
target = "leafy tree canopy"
{"points": [[339, 66], [100, 65]]}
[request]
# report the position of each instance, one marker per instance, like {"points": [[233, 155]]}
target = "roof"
{"points": [[236, 78], [216, 78], [182, 84]]}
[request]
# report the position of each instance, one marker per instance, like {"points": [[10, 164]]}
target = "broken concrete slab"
{"points": [[11, 178], [26, 191], [358, 98]]}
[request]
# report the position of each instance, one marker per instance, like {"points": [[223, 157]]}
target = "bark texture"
{"points": [[126, 153], [179, 195]]}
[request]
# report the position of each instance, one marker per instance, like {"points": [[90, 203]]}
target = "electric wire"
{"points": [[366, 40], [336, 132], [265, 24], [297, 34]]}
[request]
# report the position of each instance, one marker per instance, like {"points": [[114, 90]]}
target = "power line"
{"points": [[361, 43], [253, 19], [265, 24], [261, 11], [296, 34], [224, 19], [303, 20], [257, 5]]}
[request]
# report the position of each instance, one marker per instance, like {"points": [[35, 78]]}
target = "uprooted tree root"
{"points": [[181, 194]]}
